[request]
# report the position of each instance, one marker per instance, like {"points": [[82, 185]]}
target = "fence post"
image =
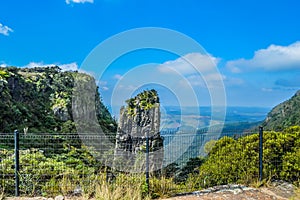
{"points": [[17, 165], [260, 153], [147, 161]]}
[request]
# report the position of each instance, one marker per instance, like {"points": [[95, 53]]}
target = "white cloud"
{"points": [[3, 65], [212, 81], [267, 89], [195, 69], [209, 79], [126, 87], [64, 67], [118, 77], [102, 85], [69, 67], [79, 1], [190, 63], [194, 80], [231, 65], [5, 30], [104, 88], [36, 64], [273, 58]]}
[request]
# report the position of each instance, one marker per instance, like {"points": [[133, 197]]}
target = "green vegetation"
{"points": [[41, 175], [236, 160], [143, 101], [284, 115], [229, 161], [40, 100]]}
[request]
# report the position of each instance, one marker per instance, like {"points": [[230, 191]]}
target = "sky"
{"points": [[251, 49]]}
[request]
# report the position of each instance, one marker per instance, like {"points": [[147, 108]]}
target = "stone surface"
{"points": [[240, 192], [224, 192], [138, 120], [231, 188], [59, 197], [77, 191]]}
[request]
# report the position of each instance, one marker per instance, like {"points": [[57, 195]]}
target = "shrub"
{"points": [[236, 161]]}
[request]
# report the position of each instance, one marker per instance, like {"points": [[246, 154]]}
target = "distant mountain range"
{"points": [[188, 118], [238, 121], [284, 115]]}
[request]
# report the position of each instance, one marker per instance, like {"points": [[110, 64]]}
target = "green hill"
{"points": [[284, 115], [40, 100]]}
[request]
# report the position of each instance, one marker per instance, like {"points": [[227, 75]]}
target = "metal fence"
{"points": [[32, 163]]}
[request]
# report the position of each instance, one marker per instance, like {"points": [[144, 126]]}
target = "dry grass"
{"points": [[296, 195], [162, 187], [127, 187]]}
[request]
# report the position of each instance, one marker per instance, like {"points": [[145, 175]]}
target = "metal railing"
{"points": [[179, 149]]}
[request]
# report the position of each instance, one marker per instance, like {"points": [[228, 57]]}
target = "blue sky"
{"points": [[254, 44]]}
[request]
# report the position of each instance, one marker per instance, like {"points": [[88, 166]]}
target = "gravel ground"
{"points": [[276, 191]]}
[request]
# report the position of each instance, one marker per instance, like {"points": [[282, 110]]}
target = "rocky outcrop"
{"points": [[41, 99], [277, 190], [139, 120], [284, 115]]}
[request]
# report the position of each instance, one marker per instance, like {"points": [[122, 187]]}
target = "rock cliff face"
{"points": [[284, 115], [40, 100], [138, 120]]}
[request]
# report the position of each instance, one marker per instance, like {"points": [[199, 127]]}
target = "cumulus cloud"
{"points": [[194, 80], [209, 80], [79, 1], [196, 69], [103, 85], [36, 64], [64, 67], [3, 65], [118, 77], [273, 58], [69, 67], [5, 30], [189, 64], [104, 88]]}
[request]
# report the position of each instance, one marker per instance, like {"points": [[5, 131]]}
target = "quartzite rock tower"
{"points": [[139, 119]]}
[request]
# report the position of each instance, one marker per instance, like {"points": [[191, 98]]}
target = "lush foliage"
{"points": [[143, 101], [40, 174], [74, 170], [236, 161], [284, 115], [229, 160], [40, 100]]}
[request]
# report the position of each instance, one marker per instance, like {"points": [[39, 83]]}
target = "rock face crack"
{"points": [[139, 120]]}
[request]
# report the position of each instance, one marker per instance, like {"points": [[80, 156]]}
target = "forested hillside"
{"points": [[40, 100], [284, 115]]}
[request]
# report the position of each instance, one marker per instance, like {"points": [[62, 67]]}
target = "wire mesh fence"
{"points": [[69, 164]]}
